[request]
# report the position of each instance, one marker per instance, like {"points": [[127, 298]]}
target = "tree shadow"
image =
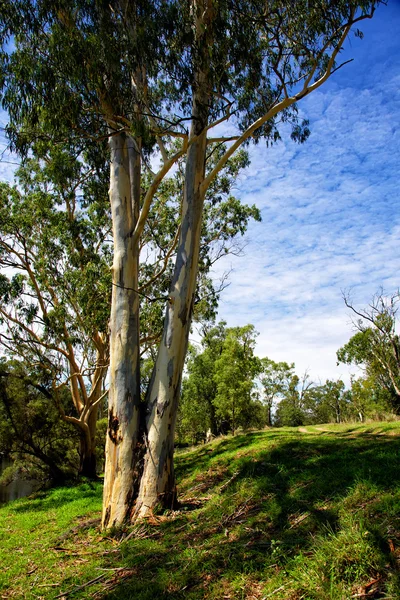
{"points": [[294, 489]]}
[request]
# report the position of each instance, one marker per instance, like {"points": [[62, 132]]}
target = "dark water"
{"points": [[16, 489]]}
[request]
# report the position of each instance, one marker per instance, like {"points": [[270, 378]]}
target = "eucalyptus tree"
{"points": [[376, 346], [54, 288], [236, 369], [142, 74], [275, 378], [329, 402], [293, 407], [197, 410], [368, 399], [219, 388]]}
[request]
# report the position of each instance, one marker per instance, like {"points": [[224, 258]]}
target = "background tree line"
{"points": [[226, 386]]}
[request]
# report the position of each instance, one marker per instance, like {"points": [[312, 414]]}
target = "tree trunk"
{"points": [[269, 414], [338, 414], [158, 480], [213, 418], [87, 448], [123, 444]]}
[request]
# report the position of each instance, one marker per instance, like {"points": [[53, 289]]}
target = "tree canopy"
{"points": [[375, 345]]}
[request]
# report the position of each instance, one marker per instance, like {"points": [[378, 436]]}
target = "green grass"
{"points": [[290, 514]]}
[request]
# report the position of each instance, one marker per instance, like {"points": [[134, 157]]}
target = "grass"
{"points": [[289, 514]]}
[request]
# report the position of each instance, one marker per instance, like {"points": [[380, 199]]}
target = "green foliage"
{"points": [[59, 247], [292, 409], [368, 400], [376, 346], [197, 412], [47, 86], [218, 393], [329, 402], [235, 371], [41, 445], [275, 379]]}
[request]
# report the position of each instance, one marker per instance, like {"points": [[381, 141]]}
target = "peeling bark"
{"points": [[123, 442]]}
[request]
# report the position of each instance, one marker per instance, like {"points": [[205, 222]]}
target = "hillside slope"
{"points": [[286, 514]]}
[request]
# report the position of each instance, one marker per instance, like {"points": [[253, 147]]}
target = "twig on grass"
{"points": [[274, 592], [225, 485], [81, 587]]}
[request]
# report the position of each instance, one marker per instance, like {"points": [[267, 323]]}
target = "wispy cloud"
{"points": [[330, 209]]}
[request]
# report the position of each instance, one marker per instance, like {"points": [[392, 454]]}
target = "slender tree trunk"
{"points": [[87, 447], [158, 479], [269, 414], [123, 444], [338, 413], [213, 418]]}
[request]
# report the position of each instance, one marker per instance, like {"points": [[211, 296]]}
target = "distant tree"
{"points": [[235, 372], [376, 345], [197, 412], [368, 399], [328, 402], [292, 409], [219, 391], [275, 378]]}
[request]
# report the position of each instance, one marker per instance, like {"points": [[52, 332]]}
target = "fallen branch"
{"points": [[81, 587], [225, 485], [109, 585]]}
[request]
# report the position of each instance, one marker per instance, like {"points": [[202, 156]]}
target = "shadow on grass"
{"points": [[296, 489], [199, 459]]}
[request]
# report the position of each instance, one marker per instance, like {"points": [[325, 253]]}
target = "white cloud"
{"points": [[331, 218]]}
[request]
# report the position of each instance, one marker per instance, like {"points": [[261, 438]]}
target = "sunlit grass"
{"points": [[284, 514], [35, 549]]}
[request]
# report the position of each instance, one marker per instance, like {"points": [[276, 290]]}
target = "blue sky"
{"points": [[330, 210]]}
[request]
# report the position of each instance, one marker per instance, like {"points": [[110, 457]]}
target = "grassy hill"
{"points": [[288, 514]]}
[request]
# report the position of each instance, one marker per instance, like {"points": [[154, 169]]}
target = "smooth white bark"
{"points": [[158, 480], [123, 443]]}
